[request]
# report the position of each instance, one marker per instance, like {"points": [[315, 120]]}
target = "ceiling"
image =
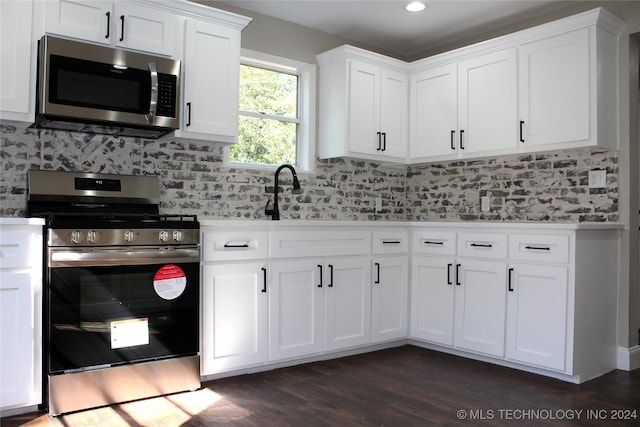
{"points": [[386, 24]]}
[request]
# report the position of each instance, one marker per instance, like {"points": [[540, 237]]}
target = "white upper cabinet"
{"points": [[211, 78], [554, 89], [15, 43], [487, 103], [363, 105], [464, 108], [123, 24], [434, 113]]}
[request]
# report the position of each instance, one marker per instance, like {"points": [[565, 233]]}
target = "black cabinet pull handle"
{"points": [[188, 114], [320, 267], [453, 139], [510, 287], [121, 27], [429, 242], [330, 276], [391, 242], [449, 282], [461, 139], [108, 25], [379, 141], [521, 131], [458, 274], [538, 248], [384, 141], [377, 264], [264, 279], [226, 245], [481, 245]]}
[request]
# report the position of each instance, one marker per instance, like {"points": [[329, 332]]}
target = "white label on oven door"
{"points": [[169, 281], [129, 333]]}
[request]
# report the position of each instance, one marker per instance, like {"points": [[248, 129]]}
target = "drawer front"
{"points": [[390, 242], [306, 243], [434, 242], [539, 247], [482, 245], [231, 246], [20, 249]]}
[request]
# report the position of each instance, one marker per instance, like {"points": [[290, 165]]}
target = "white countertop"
{"points": [[268, 224], [21, 221]]}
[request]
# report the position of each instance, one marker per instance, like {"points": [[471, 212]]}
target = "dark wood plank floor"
{"points": [[405, 386]]}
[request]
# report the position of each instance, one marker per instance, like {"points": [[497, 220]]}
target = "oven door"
{"points": [[107, 307]]}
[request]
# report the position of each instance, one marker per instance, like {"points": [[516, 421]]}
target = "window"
{"points": [[276, 122]]}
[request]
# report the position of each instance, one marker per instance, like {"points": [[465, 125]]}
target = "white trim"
{"points": [[628, 358]]}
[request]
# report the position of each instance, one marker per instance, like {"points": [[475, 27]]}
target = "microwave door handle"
{"points": [[153, 102]]}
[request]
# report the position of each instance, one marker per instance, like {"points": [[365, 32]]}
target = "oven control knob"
{"points": [[77, 236], [129, 236], [177, 235], [93, 236], [164, 236]]}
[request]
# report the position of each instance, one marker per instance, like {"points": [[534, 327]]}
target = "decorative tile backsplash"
{"points": [[549, 186]]}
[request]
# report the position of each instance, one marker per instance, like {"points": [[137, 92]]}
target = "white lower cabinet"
{"points": [[480, 306], [537, 314], [235, 326], [317, 305], [389, 298], [20, 315], [459, 303]]}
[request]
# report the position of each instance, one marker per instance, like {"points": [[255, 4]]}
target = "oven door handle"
{"points": [[120, 256]]}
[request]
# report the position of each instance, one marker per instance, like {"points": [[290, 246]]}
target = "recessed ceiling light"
{"points": [[415, 6]]}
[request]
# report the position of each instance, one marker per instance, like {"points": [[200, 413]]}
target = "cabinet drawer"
{"points": [[17, 249], [390, 242], [482, 245], [539, 247], [434, 242], [302, 243], [234, 245]]}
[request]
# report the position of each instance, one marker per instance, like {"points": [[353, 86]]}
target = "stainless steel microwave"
{"points": [[97, 89]]}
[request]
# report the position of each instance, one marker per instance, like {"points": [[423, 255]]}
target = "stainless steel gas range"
{"points": [[121, 290]]}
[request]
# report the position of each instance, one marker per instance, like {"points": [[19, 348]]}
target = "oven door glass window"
{"points": [[118, 314]]}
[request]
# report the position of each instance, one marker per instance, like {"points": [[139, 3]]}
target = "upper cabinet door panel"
{"points": [[146, 29], [211, 79], [80, 19], [434, 112], [554, 88], [488, 102], [15, 45], [364, 107], [394, 87]]}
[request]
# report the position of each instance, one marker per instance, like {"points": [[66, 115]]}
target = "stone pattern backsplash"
{"points": [[194, 179]]}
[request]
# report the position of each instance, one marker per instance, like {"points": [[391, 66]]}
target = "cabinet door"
{"points": [[347, 302], [389, 298], [211, 82], [296, 302], [394, 92], [87, 20], [234, 316], [144, 28], [432, 299], [16, 48], [488, 102], [554, 89], [364, 108], [434, 112], [16, 340], [537, 315], [480, 306]]}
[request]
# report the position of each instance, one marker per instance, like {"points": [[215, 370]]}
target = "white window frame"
{"points": [[306, 137]]}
